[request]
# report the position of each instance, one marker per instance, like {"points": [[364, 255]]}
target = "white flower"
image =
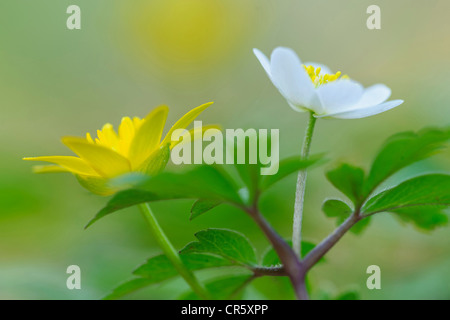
{"points": [[313, 87]]}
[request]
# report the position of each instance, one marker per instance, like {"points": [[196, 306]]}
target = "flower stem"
{"points": [[300, 191], [171, 253]]}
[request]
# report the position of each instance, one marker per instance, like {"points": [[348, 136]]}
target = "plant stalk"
{"points": [[292, 265], [300, 190], [322, 248], [171, 253]]}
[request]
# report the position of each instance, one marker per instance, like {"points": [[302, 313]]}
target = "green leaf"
{"points": [[349, 180], [228, 287], [248, 172], [423, 195], [340, 210], [159, 268], [286, 167], [336, 209], [201, 206], [229, 244], [402, 150], [250, 175], [270, 257], [423, 218], [128, 287], [122, 200], [349, 295], [204, 182]]}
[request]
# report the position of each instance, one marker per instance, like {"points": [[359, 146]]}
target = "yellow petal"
{"points": [[148, 136], [186, 120], [126, 135], [72, 164], [194, 133], [89, 138], [106, 162], [108, 137], [49, 169], [137, 122]]}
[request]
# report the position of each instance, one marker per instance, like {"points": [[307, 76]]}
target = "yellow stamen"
{"points": [[318, 79]]}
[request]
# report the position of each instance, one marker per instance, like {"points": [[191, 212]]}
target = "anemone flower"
{"points": [[313, 87]]}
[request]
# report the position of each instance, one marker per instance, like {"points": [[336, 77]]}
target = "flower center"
{"points": [[320, 79]]}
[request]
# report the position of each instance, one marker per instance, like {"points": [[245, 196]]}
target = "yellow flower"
{"points": [[136, 147]]}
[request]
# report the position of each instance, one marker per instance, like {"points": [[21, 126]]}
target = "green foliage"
{"points": [[336, 209], [159, 268], [420, 200], [423, 218], [228, 287], [128, 287], [229, 244], [349, 180], [201, 206], [287, 167], [402, 150], [204, 182], [348, 295], [427, 190], [209, 185]]}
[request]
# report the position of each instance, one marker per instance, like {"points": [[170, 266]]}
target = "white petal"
{"points": [[365, 112], [339, 95], [290, 77], [297, 108], [323, 68], [263, 60], [374, 95]]}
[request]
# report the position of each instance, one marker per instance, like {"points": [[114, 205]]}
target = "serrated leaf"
{"points": [[431, 190], [402, 150], [203, 182], [349, 180], [426, 194], [228, 287], [270, 257], [229, 244], [201, 206], [286, 167], [159, 268]]}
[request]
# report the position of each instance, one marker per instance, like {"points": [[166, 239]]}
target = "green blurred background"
{"points": [[131, 56]]}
